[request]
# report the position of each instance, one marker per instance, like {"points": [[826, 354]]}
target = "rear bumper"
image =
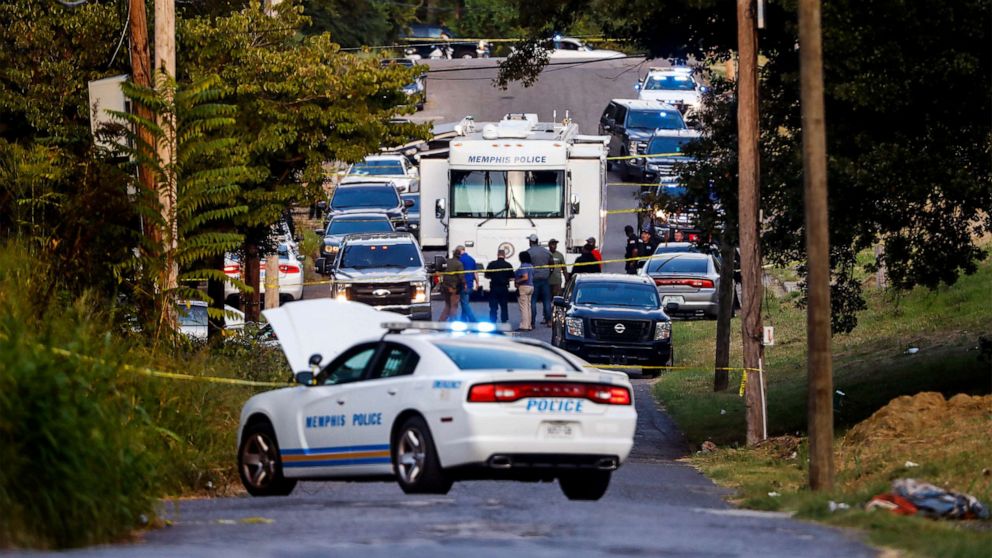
{"points": [[488, 435]]}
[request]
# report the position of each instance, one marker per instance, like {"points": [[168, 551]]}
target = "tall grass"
{"points": [[88, 447]]}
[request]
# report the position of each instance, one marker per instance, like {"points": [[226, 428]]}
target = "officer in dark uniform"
{"points": [[646, 245], [630, 250]]}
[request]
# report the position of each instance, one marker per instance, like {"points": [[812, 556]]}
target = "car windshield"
{"points": [[364, 225], [191, 316], [676, 264], [364, 256], [655, 120], [514, 194], [365, 196], [377, 168], [616, 294], [469, 355], [667, 146], [675, 82], [415, 208]]}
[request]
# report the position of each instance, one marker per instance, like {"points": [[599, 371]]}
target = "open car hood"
{"points": [[325, 327]]}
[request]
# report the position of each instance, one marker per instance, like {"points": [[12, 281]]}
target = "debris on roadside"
{"points": [[781, 447], [910, 465], [707, 447], [910, 497], [834, 506], [773, 494]]}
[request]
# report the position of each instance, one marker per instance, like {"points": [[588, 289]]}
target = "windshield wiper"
{"points": [[495, 215]]}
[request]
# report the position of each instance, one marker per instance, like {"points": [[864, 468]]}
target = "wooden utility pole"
{"points": [[749, 199], [165, 63], [272, 281], [141, 75], [818, 363], [725, 295]]}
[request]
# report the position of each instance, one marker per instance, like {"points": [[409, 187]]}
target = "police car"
{"points": [[378, 396]]}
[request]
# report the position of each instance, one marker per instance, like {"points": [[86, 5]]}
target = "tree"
{"points": [[300, 102], [207, 179], [906, 168], [356, 23]]}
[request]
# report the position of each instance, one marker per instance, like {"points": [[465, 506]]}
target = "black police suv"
{"points": [[613, 319]]}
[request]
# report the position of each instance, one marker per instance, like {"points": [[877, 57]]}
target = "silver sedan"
{"points": [[687, 282]]}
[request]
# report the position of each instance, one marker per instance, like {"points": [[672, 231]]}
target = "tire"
{"points": [[259, 464], [415, 462], [587, 485]]}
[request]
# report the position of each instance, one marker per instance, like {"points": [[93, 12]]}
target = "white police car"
{"points": [[429, 407]]}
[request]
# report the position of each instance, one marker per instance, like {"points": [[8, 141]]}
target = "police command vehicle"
{"points": [[380, 397]]}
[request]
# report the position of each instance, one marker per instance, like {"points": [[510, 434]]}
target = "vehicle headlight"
{"points": [[340, 290], [632, 147], [662, 331], [330, 249], [574, 327], [420, 291]]}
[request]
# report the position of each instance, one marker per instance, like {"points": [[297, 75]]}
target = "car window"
{"points": [[377, 168], [621, 114], [341, 226], [677, 82], [504, 356], [192, 315], [396, 360], [365, 196], [678, 265], [616, 294], [655, 119], [364, 256], [609, 112], [348, 367], [415, 208]]}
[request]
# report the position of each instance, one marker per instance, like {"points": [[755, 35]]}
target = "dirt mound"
{"points": [[949, 439]]}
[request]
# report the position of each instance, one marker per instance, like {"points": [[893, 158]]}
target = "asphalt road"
{"points": [[656, 506]]}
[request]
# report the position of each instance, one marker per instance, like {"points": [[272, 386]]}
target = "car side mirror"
{"points": [[574, 202], [319, 232], [319, 265], [439, 208], [314, 360], [407, 203], [672, 307], [301, 257], [304, 378], [559, 301]]}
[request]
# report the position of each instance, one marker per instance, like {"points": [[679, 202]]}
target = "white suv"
{"points": [[675, 85]]}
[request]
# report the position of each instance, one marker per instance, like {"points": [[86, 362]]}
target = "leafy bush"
{"points": [[88, 444], [76, 469]]}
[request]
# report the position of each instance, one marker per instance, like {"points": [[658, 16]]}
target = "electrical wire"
{"points": [[127, 23]]}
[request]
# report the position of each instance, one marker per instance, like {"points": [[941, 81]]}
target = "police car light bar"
{"points": [[458, 327]]}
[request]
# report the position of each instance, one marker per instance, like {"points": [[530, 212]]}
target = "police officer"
{"points": [[630, 250], [646, 246]]}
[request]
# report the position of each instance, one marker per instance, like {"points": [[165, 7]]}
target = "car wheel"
{"points": [[415, 462], [589, 485], [259, 464]]}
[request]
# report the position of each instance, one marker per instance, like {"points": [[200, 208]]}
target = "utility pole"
{"points": [[818, 363], [141, 75], [272, 281], [165, 63], [748, 193]]}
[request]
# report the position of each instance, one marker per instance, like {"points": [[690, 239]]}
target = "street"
{"points": [[656, 505]]}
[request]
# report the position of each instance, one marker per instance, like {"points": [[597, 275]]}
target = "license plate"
{"points": [[676, 299], [559, 430]]}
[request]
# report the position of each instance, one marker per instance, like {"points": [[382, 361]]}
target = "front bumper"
{"points": [[419, 311], [648, 353]]}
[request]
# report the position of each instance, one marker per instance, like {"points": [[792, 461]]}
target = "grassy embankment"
{"points": [[89, 446], [871, 366]]}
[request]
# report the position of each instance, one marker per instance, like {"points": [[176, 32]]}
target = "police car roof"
{"points": [[384, 157], [644, 104], [682, 70], [613, 278]]}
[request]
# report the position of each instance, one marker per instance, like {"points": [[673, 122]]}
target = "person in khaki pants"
{"points": [[452, 284], [523, 278]]}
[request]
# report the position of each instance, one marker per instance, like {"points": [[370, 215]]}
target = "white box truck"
{"points": [[497, 183]]}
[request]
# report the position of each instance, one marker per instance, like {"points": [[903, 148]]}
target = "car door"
{"points": [[389, 390], [327, 413], [619, 133], [606, 120]]}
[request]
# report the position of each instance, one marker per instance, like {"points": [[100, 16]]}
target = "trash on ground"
{"points": [[834, 506], [910, 497], [910, 465], [708, 447], [773, 494]]}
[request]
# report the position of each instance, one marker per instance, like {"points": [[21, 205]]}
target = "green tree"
{"points": [[909, 158], [206, 172], [356, 23], [301, 102]]}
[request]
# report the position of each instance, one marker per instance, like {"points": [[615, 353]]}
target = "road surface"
{"points": [[656, 505]]}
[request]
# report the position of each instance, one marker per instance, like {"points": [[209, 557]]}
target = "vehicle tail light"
{"points": [[284, 268], [508, 392], [697, 283], [232, 269]]}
